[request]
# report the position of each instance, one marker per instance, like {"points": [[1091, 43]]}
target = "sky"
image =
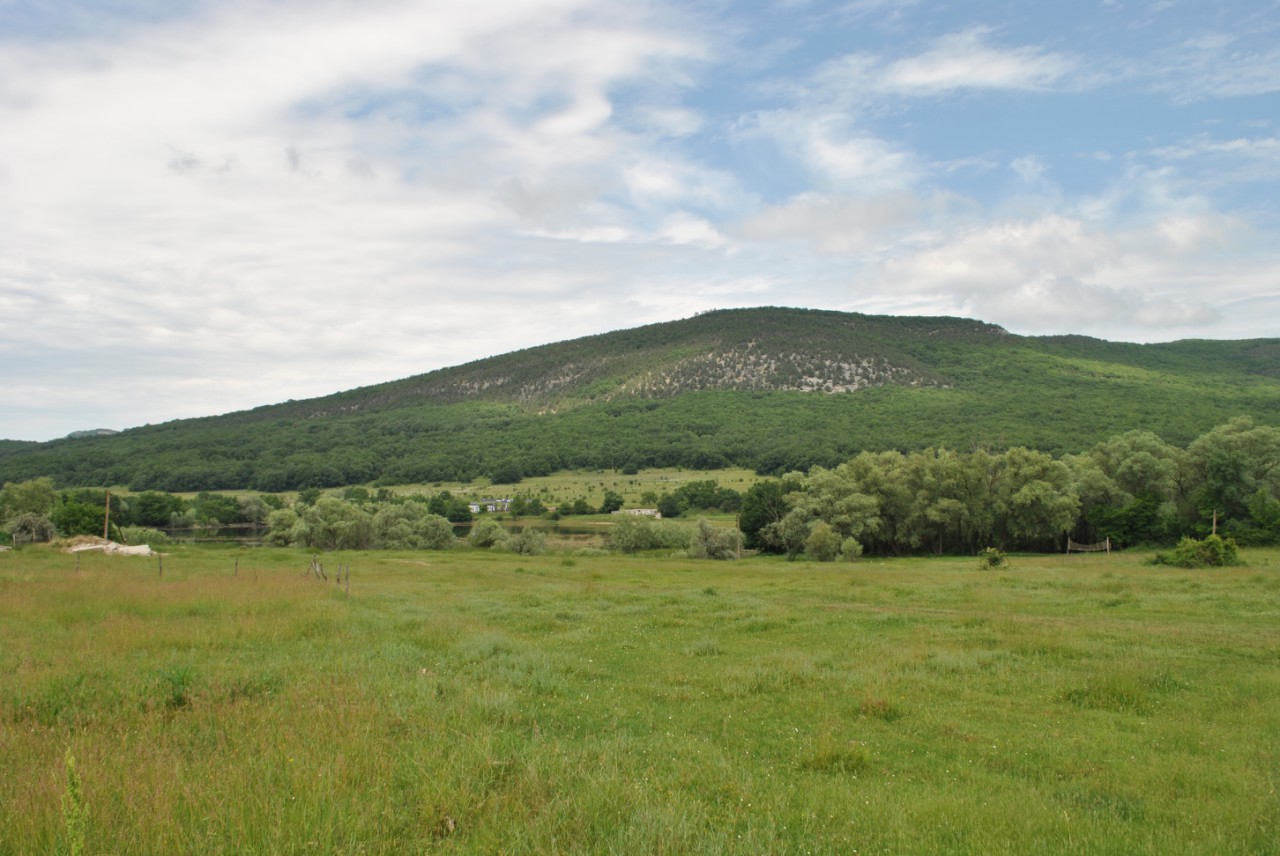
{"points": [[211, 205]]}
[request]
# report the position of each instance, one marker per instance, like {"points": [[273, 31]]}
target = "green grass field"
{"points": [[557, 489], [567, 485], [475, 702]]}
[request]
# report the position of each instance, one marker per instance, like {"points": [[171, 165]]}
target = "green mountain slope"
{"points": [[774, 389]]}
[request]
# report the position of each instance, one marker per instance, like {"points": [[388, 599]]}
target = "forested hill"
{"points": [[770, 350], [773, 389]]}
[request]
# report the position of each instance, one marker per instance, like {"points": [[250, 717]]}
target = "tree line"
{"points": [[1133, 489]]}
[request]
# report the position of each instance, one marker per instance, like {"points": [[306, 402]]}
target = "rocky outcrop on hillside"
{"points": [[755, 370]]}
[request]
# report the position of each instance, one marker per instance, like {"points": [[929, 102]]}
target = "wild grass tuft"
{"points": [[831, 756], [176, 683], [705, 648], [75, 811], [883, 709]]}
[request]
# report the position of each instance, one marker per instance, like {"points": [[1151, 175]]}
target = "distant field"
{"points": [[567, 485], [563, 486], [475, 702]]}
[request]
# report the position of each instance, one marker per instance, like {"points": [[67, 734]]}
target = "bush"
{"points": [[528, 542], [332, 524], [710, 542], [823, 543], [634, 534], [435, 533], [850, 550], [1213, 552], [77, 518], [788, 535], [487, 533], [30, 528], [142, 535], [991, 558], [282, 524], [411, 526]]}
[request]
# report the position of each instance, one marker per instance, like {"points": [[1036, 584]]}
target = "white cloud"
{"points": [[825, 125], [1216, 65], [830, 145], [860, 158], [1263, 148], [315, 185], [685, 228], [1211, 164], [837, 225], [236, 202], [1030, 169], [1060, 274], [681, 298], [965, 60]]}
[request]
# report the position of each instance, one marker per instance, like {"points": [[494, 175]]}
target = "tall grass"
{"points": [[474, 702]]}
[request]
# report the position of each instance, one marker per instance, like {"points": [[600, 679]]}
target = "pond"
{"points": [[247, 535]]}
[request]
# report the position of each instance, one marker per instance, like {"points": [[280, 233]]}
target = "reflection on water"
{"points": [[249, 536], [560, 535], [550, 527]]}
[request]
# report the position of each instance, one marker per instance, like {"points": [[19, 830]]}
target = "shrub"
{"points": [[710, 542], [77, 518], [528, 542], [332, 524], [487, 533], [435, 533], [991, 558], [185, 519], [823, 543], [282, 524], [30, 528], [787, 535], [634, 534], [1213, 552], [143, 535], [411, 526]]}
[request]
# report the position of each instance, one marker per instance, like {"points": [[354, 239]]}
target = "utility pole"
{"points": [[106, 518]]}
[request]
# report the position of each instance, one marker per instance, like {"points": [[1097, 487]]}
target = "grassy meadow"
{"points": [[567, 485], [477, 702]]}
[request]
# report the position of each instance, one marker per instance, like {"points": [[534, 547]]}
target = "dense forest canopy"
{"points": [[775, 390]]}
